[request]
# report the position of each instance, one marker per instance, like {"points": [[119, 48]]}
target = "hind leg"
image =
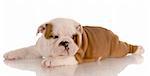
{"points": [[139, 51], [120, 48]]}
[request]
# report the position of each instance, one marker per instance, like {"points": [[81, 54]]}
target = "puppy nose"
{"points": [[64, 43]]}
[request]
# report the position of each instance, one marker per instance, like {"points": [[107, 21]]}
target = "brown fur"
{"points": [[95, 42], [100, 42], [48, 31]]}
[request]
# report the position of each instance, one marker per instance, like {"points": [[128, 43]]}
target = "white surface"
{"points": [[130, 19]]}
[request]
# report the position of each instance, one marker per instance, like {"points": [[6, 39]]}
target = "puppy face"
{"points": [[61, 37]]}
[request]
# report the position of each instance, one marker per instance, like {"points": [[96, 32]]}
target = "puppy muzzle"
{"points": [[64, 43]]}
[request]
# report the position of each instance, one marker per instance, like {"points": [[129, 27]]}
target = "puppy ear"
{"points": [[78, 37], [48, 31], [79, 29], [40, 29]]}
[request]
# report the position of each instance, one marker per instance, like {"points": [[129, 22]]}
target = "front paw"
{"points": [[49, 62], [13, 55]]}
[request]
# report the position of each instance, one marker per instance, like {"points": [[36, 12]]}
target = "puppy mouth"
{"points": [[67, 50]]}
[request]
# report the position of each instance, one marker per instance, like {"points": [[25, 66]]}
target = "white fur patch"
{"points": [[140, 50], [58, 61], [27, 52], [64, 29]]}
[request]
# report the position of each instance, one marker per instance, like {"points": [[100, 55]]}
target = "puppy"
{"points": [[66, 42]]}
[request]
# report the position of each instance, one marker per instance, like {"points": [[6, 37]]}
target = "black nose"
{"points": [[64, 43]]}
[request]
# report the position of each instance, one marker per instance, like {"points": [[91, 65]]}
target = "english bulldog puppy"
{"points": [[65, 42]]}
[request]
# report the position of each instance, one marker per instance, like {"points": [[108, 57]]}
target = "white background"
{"points": [[129, 19]]}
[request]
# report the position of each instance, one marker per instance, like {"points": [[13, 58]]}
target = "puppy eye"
{"points": [[54, 37]]}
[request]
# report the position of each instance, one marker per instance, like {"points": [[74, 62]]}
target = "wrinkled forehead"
{"points": [[64, 26]]}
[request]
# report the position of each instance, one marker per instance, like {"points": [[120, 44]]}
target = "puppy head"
{"points": [[64, 36]]}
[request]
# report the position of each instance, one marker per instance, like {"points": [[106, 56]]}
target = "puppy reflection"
{"points": [[108, 67]]}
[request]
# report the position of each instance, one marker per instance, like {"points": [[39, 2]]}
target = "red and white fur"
{"points": [[48, 49]]}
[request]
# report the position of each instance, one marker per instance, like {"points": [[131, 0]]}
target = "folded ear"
{"points": [[40, 29], [48, 31], [78, 36], [79, 29]]}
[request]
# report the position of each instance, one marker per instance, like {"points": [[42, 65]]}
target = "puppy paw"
{"points": [[13, 55], [49, 63], [46, 63], [140, 50]]}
